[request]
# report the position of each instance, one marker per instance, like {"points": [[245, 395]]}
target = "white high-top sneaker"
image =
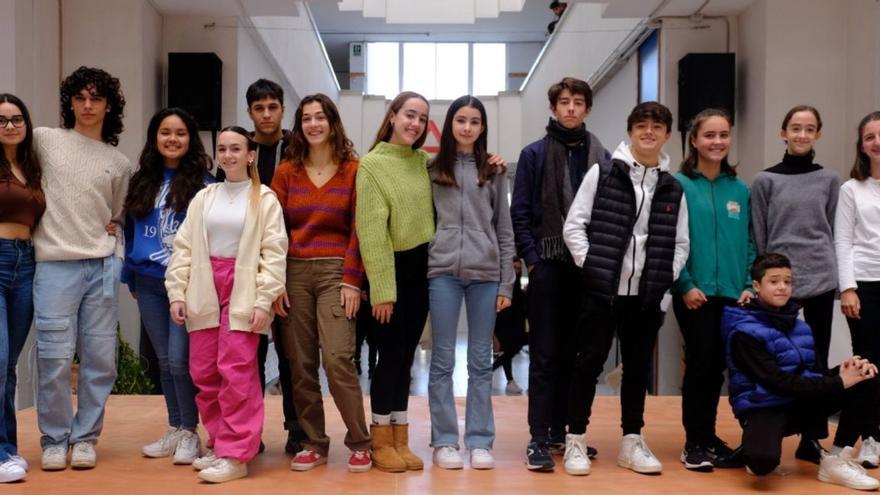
{"points": [[841, 469], [635, 455], [188, 447], [869, 454], [576, 461], [224, 470], [165, 446]]}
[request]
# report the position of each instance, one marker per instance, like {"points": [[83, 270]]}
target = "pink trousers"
{"points": [[223, 365]]}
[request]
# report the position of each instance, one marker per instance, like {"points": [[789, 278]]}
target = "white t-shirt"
{"points": [[225, 218]]}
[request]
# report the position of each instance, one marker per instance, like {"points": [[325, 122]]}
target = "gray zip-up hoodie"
{"points": [[474, 238]]}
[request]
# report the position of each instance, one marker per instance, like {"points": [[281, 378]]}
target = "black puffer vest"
{"points": [[611, 228]]}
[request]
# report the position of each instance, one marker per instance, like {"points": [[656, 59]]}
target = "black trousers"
{"points": [[819, 313], [291, 423], [553, 306], [764, 429], [865, 333], [704, 366], [396, 340], [636, 327]]}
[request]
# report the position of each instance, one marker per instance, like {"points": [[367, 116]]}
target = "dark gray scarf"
{"points": [[556, 188]]}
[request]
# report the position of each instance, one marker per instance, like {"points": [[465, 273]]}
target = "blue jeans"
{"points": [[446, 294], [171, 343], [16, 315], [75, 303]]}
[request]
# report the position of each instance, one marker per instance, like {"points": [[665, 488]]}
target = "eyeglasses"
{"points": [[17, 121]]}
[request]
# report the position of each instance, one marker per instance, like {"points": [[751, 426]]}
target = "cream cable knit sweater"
{"points": [[85, 182]]}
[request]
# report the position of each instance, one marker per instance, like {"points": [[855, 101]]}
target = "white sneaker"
{"points": [[635, 455], [83, 456], [11, 471], [576, 461], [188, 447], [482, 459], [164, 446], [224, 470], [447, 457], [205, 461], [513, 388], [869, 454], [22, 463], [841, 469], [54, 458]]}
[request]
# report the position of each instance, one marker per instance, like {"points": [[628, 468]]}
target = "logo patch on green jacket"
{"points": [[733, 209]]}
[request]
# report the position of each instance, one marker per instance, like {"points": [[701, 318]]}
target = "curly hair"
{"points": [[187, 181], [298, 150], [98, 83], [24, 154]]}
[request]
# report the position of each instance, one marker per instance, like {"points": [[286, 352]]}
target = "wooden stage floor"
{"points": [[132, 421]]}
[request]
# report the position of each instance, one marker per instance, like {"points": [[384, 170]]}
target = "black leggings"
{"points": [[865, 333], [819, 313], [396, 340], [704, 366]]}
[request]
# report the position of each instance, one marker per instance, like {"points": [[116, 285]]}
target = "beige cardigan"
{"points": [[260, 267]]}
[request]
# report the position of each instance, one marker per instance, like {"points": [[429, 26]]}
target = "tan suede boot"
{"points": [[401, 445], [385, 457]]}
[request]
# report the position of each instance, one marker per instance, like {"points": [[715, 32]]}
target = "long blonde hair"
{"points": [[252, 171]]}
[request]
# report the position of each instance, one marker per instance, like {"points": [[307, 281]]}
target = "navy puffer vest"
{"points": [[794, 352], [611, 227]]}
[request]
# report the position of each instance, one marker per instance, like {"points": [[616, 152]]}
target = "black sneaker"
{"points": [[724, 456], [262, 447], [538, 457], [809, 450], [696, 458]]}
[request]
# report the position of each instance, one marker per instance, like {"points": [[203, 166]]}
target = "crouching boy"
{"points": [[776, 388]]}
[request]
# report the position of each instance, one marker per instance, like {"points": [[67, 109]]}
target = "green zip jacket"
{"points": [[722, 251]]}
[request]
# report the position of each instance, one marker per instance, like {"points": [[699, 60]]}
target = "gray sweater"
{"points": [[793, 214], [474, 238]]}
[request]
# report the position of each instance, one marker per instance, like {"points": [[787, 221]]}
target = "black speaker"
{"points": [[195, 84], [705, 80]]}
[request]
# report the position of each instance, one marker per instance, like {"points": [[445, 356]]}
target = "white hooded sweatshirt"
{"points": [[644, 181]]}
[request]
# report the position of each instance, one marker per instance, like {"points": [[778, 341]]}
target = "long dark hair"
{"points": [[298, 150], [24, 154], [689, 165], [386, 129], [861, 169], [99, 83], [187, 181], [443, 164]]}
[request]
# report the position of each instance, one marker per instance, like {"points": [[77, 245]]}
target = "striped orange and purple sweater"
{"points": [[320, 220]]}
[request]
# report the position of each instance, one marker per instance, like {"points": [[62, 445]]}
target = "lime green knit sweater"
{"points": [[394, 212]]}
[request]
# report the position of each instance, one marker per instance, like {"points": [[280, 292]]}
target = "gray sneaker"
{"points": [[188, 447], [54, 458], [83, 456], [165, 446]]}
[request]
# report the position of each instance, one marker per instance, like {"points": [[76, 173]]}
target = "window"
{"points": [[442, 71], [383, 69], [490, 72], [649, 69]]}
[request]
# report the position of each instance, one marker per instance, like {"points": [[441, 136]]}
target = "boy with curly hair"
{"points": [[79, 259]]}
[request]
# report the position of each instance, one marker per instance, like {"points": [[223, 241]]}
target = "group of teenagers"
{"points": [[296, 236]]}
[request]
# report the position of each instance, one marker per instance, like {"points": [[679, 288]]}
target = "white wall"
{"points": [[612, 103], [578, 46], [520, 57]]}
